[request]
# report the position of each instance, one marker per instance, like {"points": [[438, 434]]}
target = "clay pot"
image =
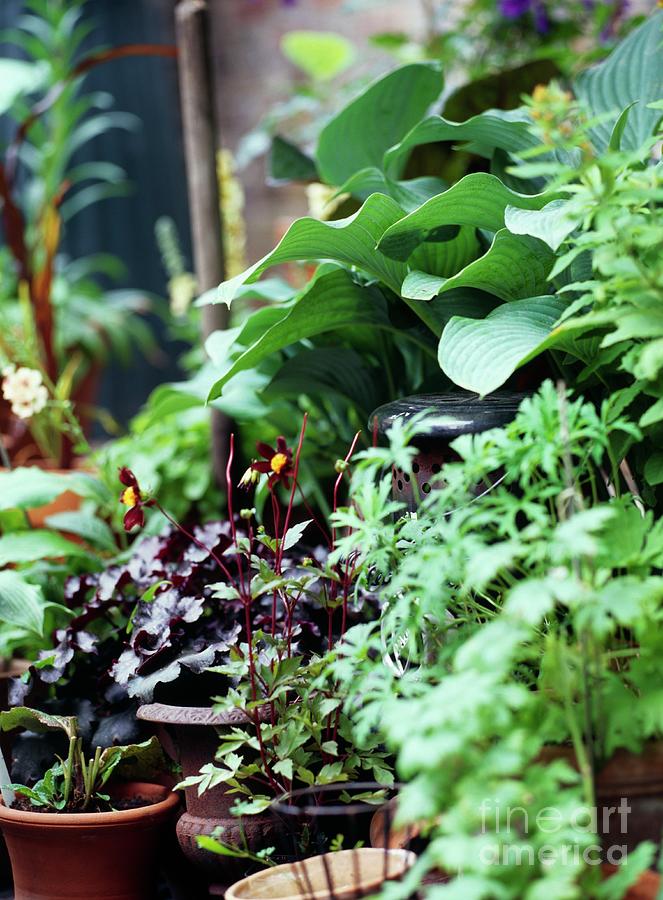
{"points": [[344, 875], [635, 778], [190, 735], [646, 888], [463, 413], [79, 856], [67, 501]]}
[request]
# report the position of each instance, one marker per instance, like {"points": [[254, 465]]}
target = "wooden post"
{"points": [[192, 31]]}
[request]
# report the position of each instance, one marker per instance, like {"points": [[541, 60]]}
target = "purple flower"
{"points": [[514, 9], [541, 21]]}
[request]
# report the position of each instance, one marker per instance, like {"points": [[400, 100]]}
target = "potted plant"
{"points": [[524, 705], [77, 804], [466, 282], [187, 601], [60, 322]]}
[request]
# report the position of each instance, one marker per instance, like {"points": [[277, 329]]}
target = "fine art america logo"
{"points": [[511, 827]]}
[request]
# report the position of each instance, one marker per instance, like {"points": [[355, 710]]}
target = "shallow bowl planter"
{"points": [[89, 856], [463, 413], [344, 875], [190, 734]]}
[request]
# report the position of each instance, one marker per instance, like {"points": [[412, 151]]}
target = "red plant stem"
{"points": [[254, 696], [338, 481], [321, 528], [231, 518], [291, 500]]}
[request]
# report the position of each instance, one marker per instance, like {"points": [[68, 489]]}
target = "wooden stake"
{"points": [[192, 31]]}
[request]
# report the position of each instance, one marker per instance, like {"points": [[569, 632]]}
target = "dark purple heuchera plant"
{"points": [[177, 603]]}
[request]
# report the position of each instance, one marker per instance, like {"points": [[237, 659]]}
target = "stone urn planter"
{"points": [[190, 735], [79, 856], [463, 413]]}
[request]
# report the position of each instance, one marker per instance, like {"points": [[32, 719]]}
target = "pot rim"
{"points": [[169, 714], [85, 819]]}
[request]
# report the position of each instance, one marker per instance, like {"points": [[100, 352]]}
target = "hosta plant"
{"points": [[463, 276]]}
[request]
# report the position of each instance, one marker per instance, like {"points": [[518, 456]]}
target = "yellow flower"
{"points": [[129, 497], [277, 462]]}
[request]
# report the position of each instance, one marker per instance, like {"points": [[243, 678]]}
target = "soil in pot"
{"points": [[343, 875], [105, 855]]}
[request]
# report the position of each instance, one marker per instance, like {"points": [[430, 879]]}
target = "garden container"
{"points": [[458, 413], [190, 734], [646, 887], [89, 856], [637, 779], [344, 875]]}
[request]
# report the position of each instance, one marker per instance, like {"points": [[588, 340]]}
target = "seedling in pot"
{"points": [[76, 783]]}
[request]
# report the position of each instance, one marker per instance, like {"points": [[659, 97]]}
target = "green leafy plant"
{"points": [[76, 783], [36, 561], [467, 273], [513, 619], [59, 319]]}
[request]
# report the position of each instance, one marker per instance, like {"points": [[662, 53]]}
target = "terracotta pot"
{"points": [[630, 782], [646, 887], [344, 875], [190, 734], [67, 501], [9, 668], [463, 413], [81, 856]]}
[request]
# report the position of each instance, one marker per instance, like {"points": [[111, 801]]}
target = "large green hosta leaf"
{"points": [[478, 199], [632, 72], [409, 194], [358, 136], [332, 300], [495, 128], [515, 266], [446, 258], [351, 241], [480, 354], [552, 224], [321, 370]]}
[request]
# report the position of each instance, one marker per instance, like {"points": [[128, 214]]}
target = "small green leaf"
{"points": [[551, 224], [29, 546], [320, 54], [84, 525], [21, 603], [37, 721], [294, 534]]}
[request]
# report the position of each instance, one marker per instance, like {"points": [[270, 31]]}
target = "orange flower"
{"points": [[277, 463]]}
